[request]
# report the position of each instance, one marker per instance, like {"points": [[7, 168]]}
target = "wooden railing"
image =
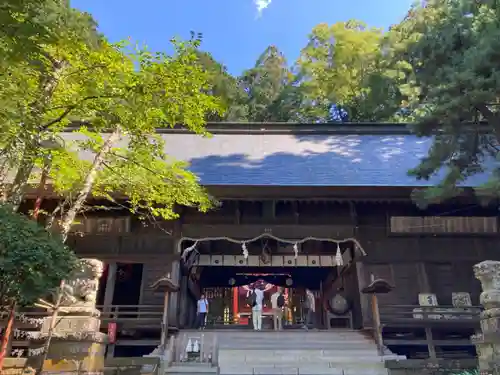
{"points": [[440, 329], [136, 315], [143, 314]]}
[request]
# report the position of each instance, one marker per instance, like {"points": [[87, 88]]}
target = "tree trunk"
{"points": [[7, 334], [53, 321], [41, 189], [69, 216], [68, 219], [34, 127]]}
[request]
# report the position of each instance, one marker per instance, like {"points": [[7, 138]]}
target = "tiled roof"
{"points": [[288, 155], [303, 160]]}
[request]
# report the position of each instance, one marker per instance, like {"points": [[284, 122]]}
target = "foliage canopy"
{"points": [[32, 262]]}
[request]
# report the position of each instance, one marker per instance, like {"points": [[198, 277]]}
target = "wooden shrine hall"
{"points": [[325, 207]]}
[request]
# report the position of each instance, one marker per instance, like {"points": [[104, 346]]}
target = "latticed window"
{"points": [[101, 225], [443, 225]]}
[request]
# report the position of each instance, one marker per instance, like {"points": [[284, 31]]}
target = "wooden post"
{"points": [[107, 309], [109, 290], [430, 343], [167, 287], [164, 322], [6, 335], [235, 305], [376, 321]]}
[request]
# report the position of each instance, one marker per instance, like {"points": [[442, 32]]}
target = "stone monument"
{"points": [[77, 343], [488, 341]]}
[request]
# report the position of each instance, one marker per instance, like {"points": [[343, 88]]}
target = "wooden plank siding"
{"points": [[413, 261]]}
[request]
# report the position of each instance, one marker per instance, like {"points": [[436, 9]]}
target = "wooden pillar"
{"points": [[109, 290], [376, 320], [423, 278], [288, 308], [183, 302], [164, 322], [236, 317], [173, 301]]}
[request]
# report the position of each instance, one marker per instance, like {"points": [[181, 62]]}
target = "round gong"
{"points": [[339, 305]]}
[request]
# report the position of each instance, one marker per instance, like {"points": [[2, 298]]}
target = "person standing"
{"points": [[256, 299], [309, 309], [277, 304], [202, 311]]}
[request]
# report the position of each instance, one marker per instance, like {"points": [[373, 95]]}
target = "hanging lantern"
{"points": [[289, 281]]}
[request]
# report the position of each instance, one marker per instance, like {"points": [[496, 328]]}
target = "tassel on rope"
{"points": [[296, 250], [338, 256], [245, 250]]}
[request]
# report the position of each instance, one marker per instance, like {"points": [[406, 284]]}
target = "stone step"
{"points": [[301, 346], [191, 369], [284, 339], [304, 370], [284, 356], [341, 352]]}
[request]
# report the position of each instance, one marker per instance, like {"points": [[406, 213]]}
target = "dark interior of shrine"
{"points": [[294, 277]]}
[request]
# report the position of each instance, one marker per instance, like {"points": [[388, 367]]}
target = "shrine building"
{"points": [[323, 207]]}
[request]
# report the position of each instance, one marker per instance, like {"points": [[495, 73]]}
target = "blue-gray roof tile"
{"points": [[303, 160]]}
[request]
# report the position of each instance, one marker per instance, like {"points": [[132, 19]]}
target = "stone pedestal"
{"points": [[488, 341], [76, 345]]}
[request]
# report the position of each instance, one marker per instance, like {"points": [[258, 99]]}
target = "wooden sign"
{"points": [[112, 332]]}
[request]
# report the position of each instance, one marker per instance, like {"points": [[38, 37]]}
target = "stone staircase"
{"points": [[339, 352]]}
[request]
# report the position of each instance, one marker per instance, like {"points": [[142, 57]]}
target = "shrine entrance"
{"points": [[225, 269], [229, 306]]}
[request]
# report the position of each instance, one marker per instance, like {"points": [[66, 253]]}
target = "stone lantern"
{"points": [[488, 341]]}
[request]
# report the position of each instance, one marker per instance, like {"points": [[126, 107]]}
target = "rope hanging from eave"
{"points": [[295, 243]]}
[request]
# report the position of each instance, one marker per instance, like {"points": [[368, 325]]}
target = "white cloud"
{"points": [[261, 5]]}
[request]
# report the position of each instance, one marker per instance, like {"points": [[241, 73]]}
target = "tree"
{"points": [[447, 55], [32, 263], [226, 87], [109, 94], [132, 96], [38, 42], [266, 86], [26, 26], [342, 74]]}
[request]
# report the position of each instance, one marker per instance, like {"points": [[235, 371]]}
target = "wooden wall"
{"points": [[413, 262]]}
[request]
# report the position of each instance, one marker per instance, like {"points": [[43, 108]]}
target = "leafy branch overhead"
{"points": [[114, 96], [447, 57]]}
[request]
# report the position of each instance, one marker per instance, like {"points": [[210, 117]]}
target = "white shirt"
{"points": [[202, 305], [274, 300], [259, 297], [312, 301]]}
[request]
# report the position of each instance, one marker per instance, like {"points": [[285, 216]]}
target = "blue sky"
{"points": [[234, 31]]}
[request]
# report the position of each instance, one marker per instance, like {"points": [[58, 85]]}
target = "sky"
{"points": [[236, 32]]}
